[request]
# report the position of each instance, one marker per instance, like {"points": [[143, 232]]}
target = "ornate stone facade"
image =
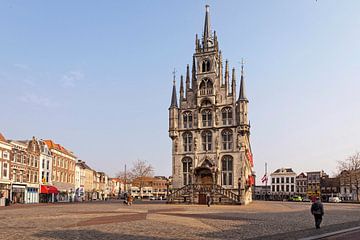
{"points": [[209, 128]]}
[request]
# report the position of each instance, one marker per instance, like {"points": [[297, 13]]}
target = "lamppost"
{"points": [[239, 187], [71, 192], [167, 188]]}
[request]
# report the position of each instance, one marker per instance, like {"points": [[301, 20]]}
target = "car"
{"points": [[334, 199], [296, 199], [305, 199], [152, 198]]}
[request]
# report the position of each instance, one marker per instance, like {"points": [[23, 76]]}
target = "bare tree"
{"points": [[350, 172], [139, 171], [141, 168]]}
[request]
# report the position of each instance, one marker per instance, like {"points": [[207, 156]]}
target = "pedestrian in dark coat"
{"points": [[317, 209], [208, 199]]}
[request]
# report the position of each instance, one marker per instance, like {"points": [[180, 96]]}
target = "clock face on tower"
{"points": [[210, 43]]}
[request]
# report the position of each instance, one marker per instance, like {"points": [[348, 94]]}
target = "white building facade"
{"points": [[283, 184]]}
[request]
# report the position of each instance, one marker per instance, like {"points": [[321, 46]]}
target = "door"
{"points": [[202, 198]]}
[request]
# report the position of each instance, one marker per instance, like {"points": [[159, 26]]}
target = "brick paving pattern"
{"points": [[113, 220]]}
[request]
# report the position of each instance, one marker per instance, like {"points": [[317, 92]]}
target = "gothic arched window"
{"points": [[206, 87], [227, 116], [187, 164], [206, 118], [207, 140], [187, 119], [206, 65], [227, 170], [187, 139], [227, 139]]}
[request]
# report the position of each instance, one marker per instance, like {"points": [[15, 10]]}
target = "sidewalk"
{"points": [[349, 234]]}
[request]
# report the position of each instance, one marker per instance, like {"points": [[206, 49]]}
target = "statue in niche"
{"points": [[217, 147], [195, 143], [239, 141], [217, 116], [176, 145]]}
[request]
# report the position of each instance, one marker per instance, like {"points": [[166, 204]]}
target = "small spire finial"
{"points": [[242, 66], [174, 75], [242, 95]]}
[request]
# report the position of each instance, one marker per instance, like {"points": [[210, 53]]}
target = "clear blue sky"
{"points": [[96, 76]]}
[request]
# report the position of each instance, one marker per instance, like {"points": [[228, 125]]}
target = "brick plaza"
{"points": [[148, 220]]}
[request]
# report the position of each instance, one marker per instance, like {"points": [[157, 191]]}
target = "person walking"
{"points": [[317, 209], [208, 199]]}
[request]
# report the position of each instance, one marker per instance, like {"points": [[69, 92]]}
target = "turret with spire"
{"points": [[242, 105], [173, 112]]}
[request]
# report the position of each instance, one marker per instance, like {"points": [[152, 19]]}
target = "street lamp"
{"points": [[71, 192]]}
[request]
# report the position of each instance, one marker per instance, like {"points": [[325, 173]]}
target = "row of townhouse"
{"points": [[33, 171], [285, 183], [92, 185], [147, 187]]}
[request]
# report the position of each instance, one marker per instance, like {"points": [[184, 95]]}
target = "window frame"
{"points": [[227, 166], [227, 139], [206, 118], [187, 141], [206, 139], [186, 169]]}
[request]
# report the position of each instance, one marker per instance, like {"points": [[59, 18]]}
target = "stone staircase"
{"points": [[192, 194]]}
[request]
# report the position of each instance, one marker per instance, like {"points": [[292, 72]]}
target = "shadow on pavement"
{"points": [[90, 235], [237, 233]]}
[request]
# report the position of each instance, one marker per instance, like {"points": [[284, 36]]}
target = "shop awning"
{"points": [[48, 189]]}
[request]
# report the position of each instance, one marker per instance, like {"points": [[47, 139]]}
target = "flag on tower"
{"points": [[264, 178]]}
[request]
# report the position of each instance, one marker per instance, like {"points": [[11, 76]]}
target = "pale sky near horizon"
{"points": [[96, 76]]}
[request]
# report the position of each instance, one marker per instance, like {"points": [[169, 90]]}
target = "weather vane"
{"points": [[242, 65]]}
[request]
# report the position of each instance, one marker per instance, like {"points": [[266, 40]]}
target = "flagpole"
{"points": [[266, 181], [266, 174]]}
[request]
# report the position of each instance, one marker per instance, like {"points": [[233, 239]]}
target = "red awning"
{"points": [[48, 189]]}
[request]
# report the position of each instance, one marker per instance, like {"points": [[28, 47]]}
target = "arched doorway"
{"points": [[204, 175]]}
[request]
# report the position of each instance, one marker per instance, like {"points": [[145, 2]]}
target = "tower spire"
{"points": [[226, 77], [207, 33], [181, 88], [233, 84], [242, 95], [187, 79], [173, 96], [193, 74]]}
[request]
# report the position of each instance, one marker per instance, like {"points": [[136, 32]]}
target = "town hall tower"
{"points": [[210, 129]]}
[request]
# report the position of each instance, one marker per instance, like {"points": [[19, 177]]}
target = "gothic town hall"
{"points": [[210, 130]]}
